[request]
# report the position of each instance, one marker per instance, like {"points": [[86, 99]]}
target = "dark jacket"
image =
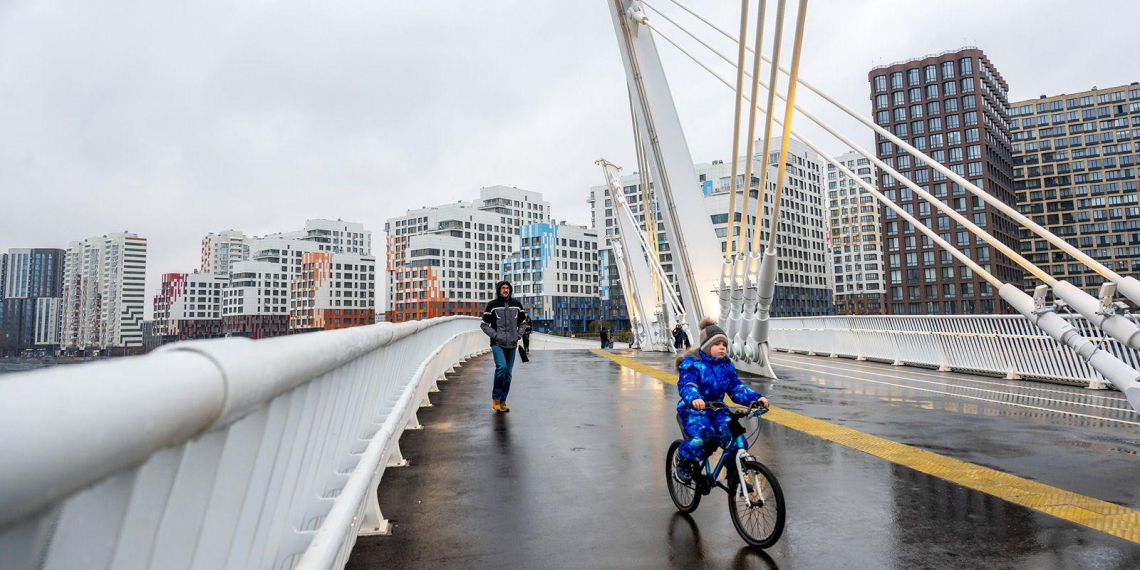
{"points": [[680, 339], [503, 319]]}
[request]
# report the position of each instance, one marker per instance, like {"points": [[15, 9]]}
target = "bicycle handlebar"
{"points": [[736, 412]]}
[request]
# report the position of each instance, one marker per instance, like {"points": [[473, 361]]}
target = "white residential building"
{"points": [[103, 293], [221, 250], [855, 248], [256, 301], [333, 235], [555, 276], [333, 291], [445, 260], [189, 306], [266, 296], [803, 285]]}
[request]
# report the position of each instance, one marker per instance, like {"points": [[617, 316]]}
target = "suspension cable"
{"points": [[646, 201], [989, 277], [751, 144], [1052, 238], [766, 147], [942, 206], [740, 55], [766, 144], [797, 46]]}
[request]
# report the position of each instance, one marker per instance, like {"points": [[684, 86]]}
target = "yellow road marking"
{"points": [[1093, 513]]}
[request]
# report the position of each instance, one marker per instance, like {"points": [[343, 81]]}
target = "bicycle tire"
{"points": [[774, 501], [678, 491]]}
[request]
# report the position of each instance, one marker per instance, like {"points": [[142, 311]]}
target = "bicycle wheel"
{"points": [[761, 523], [684, 496]]}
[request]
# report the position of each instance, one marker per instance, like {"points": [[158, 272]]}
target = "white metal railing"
{"points": [[1008, 345], [224, 453]]}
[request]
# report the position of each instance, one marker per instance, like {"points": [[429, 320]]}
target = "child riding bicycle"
{"points": [[707, 375]]}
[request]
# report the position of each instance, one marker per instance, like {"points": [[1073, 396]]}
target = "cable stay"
{"points": [[1103, 313], [639, 270]]}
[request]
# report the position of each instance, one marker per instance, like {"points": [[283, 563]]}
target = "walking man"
{"points": [[503, 321], [605, 337]]}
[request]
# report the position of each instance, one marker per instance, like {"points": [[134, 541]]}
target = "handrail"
{"points": [[225, 453], [329, 539], [1003, 345]]}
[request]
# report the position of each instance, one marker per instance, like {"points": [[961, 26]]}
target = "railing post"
{"points": [[373, 522], [396, 458], [414, 422]]}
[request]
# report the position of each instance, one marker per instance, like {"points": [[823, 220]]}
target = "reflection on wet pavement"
{"points": [[573, 477]]}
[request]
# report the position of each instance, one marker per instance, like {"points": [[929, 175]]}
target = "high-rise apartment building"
{"points": [[1075, 168], [332, 235], [954, 107], [333, 291], [189, 306], [31, 282], [221, 250], [855, 248], [803, 286], [103, 293], [255, 304], [555, 276], [445, 260], [322, 277]]}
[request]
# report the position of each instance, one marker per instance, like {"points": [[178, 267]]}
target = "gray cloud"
{"points": [[173, 120]]}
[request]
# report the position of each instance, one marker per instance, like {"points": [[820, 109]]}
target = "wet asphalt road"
{"points": [[573, 476]]}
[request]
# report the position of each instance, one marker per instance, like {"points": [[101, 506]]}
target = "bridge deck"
{"points": [[573, 476]]}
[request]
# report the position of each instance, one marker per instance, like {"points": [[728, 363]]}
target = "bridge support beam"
{"points": [[688, 227]]}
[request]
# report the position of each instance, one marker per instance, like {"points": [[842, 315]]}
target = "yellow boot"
{"points": [[503, 407], [495, 405]]}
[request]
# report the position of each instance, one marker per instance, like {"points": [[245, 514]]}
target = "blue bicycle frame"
{"points": [[738, 444]]}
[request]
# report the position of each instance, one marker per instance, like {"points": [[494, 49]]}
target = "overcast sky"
{"points": [[173, 119]]}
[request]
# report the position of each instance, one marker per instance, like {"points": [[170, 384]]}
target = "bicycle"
{"points": [[757, 506]]}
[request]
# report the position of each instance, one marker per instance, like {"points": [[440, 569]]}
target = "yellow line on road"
{"points": [[1093, 513]]}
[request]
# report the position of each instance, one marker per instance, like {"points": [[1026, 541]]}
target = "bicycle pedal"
{"points": [[704, 486]]}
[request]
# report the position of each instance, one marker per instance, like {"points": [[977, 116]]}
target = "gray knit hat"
{"points": [[711, 334]]}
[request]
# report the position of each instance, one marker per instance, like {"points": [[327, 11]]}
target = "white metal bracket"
{"points": [[1040, 298], [1107, 295], [636, 17]]}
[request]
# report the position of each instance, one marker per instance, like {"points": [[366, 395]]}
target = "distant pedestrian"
{"points": [[605, 337], [680, 338], [503, 321]]}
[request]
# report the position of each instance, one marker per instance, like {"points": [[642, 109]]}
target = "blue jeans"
{"points": [[504, 362]]}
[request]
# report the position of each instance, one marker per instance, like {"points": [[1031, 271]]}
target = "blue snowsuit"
{"points": [[709, 379]]}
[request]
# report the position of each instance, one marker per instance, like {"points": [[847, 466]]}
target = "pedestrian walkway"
{"points": [[573, 476]]}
